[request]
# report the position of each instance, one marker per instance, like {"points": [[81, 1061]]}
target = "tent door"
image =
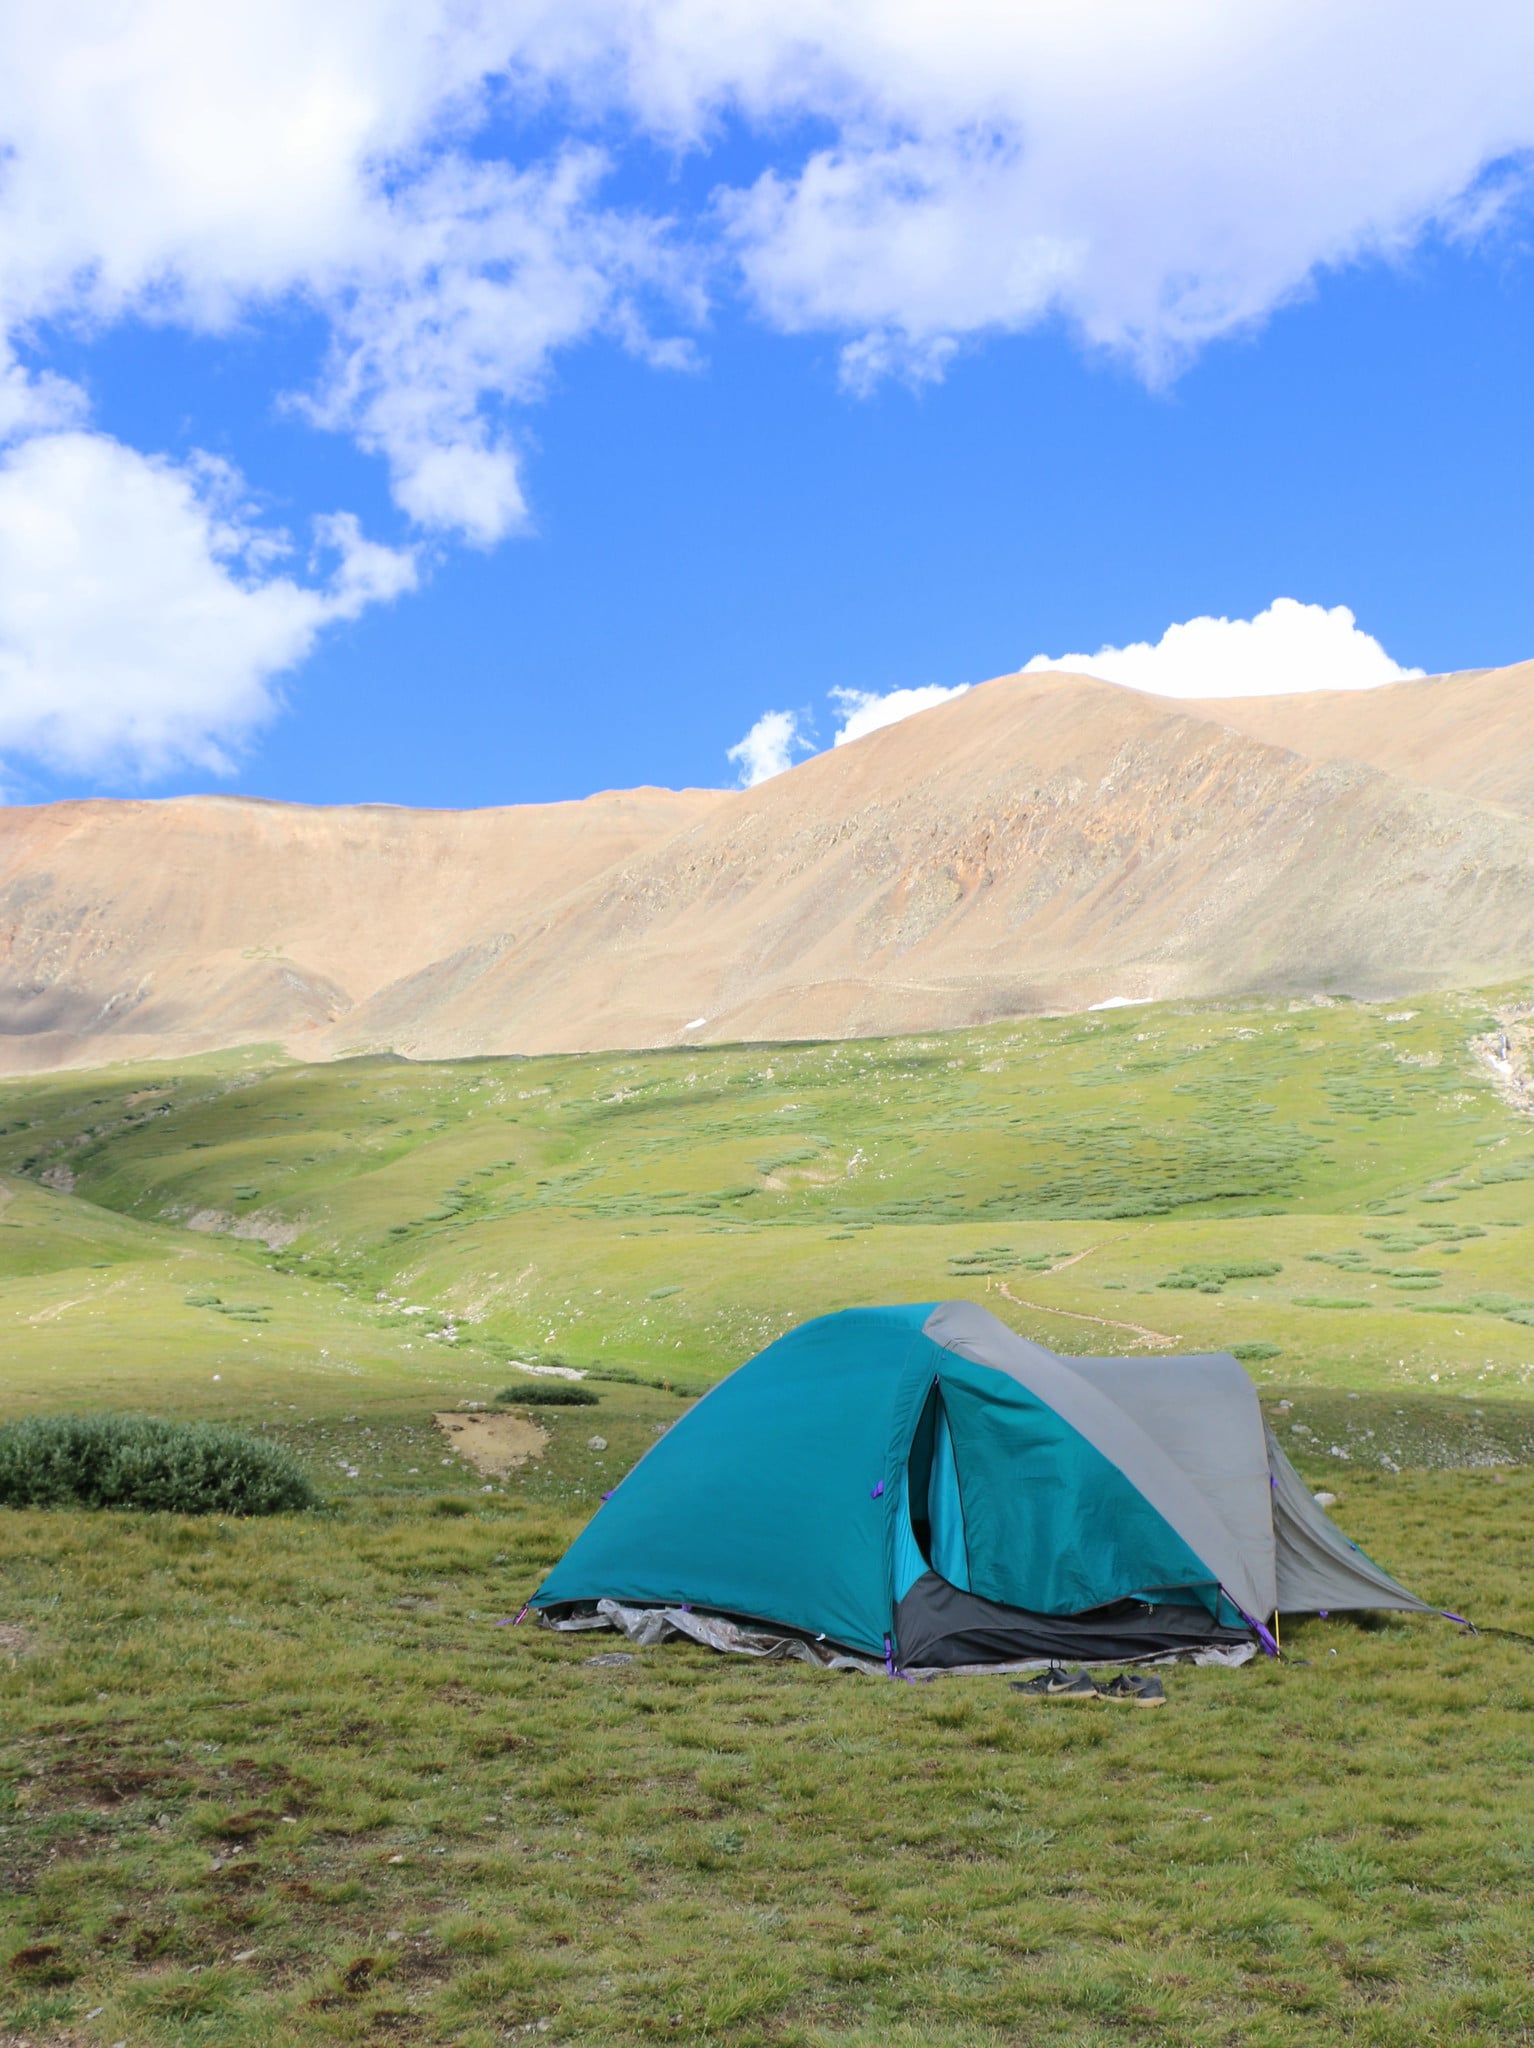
{"points": [[932, 1494]]}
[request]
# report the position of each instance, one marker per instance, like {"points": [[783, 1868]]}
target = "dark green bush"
{"points": [[138, 1461], [549, 1394]]}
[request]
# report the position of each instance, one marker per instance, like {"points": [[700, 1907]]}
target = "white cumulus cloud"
{"points": [[143, 618], [864, 711], [431, 184], [1156, 176], [428, 176], [177, 163], [1288, 648], [769, 748]]}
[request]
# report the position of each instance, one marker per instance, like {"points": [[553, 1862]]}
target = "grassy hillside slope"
{"points": [[670, 1212], [297, 1781]]}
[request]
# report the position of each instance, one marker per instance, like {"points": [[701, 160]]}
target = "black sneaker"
{"points": [[1056, 1684], [1136, 1689]]}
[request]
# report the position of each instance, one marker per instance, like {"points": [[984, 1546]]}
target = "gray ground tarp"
{"points": [[646, 1626]]}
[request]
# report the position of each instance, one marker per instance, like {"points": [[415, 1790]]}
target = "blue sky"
{"points": [[719, 444]]}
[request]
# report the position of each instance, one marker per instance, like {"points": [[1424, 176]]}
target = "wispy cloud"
{"points": [[769, 748]]}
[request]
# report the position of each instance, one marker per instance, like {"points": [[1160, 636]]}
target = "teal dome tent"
{"points": [[921, 1484]]}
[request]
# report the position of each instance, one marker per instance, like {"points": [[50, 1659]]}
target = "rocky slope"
{"points": [[1046, 841]]}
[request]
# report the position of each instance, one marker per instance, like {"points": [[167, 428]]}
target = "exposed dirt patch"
{"points": [[14, 1641], [41, 1963], [258, 1228], [493, 1444], [91, 1778]]}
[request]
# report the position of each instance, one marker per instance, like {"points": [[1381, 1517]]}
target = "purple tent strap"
{"points": [[1264, 1636]]}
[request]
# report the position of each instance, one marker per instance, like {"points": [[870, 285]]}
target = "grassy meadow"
{"points": [[297, 1779]]}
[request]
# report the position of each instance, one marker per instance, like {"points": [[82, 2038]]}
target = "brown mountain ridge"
{"points": [[1042, 843]]}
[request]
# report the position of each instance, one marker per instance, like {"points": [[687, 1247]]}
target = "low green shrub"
{"points": [[624, 1376], [1208, 1276], [1254, 1353], [549, 1394], [138, 1461]]}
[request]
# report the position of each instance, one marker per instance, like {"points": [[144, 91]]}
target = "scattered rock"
{"points": [[261, 1228], [596, 1443], [1326, 1500], [610, 1659]]}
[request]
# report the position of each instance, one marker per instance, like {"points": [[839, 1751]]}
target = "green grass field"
{"points": [[295, 1780]]}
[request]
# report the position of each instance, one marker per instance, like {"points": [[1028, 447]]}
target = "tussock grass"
{"points": [[549, 1394]]}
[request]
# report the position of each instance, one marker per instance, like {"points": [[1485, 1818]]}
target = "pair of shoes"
{"points": [[1135, 1689], [1130, 1688], [1058, 1684]]}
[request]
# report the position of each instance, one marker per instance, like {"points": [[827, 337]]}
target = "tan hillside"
{"points": [[1046, 841], [1473, 734]]}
